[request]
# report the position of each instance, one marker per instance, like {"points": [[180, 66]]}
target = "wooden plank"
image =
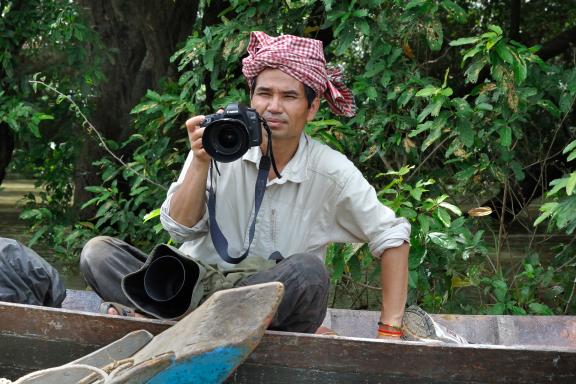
{"points": [[558, 331], [478, 329], [318, 358], [502, 330], [20, 355], [33, 338], [62, 324]]}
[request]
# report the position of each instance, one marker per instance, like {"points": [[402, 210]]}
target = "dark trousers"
{"points": [[105, 261]]}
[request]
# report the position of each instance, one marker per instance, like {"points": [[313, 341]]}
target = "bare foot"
{"points": [[112, 311], [325, 331]]}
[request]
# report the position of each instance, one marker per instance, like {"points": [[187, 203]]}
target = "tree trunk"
{"points": [[140, 37], [515, 12], [6, 148]]}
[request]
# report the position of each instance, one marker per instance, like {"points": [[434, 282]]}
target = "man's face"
{"points": [[280, 99]]}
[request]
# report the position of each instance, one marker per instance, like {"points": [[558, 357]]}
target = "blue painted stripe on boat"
{"points": [[210, 367]]}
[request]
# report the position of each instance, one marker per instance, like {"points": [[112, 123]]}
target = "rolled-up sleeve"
{"points": [[366, 219], [181, 233]]}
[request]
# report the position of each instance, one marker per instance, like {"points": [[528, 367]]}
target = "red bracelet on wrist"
{"points": [[388, 330]]}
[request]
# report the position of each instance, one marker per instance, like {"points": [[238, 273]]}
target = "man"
{"points": [[320, 198]]}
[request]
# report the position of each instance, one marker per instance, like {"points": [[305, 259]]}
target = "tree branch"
{"points": [[558, 44], [91, 128]]}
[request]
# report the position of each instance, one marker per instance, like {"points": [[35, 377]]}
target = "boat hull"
{"points": [[33, 338]]}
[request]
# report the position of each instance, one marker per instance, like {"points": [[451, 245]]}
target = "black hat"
{"points": [[168, 286]]}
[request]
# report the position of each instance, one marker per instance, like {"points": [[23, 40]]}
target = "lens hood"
{"points": [[226, 139]]}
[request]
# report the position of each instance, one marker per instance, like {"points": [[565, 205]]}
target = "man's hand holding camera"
{"points": [[195, 132], [187, 204]]}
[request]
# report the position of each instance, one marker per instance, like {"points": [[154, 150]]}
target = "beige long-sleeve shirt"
{"points": [[321, 198]]}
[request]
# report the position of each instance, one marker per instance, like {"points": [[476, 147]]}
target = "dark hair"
{"points": [[308, 92]]}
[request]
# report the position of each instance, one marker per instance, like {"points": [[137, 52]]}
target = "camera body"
{"points": [[228, 135]]}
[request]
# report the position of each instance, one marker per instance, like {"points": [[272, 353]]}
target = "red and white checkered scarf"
{"points": [[303, 59]]}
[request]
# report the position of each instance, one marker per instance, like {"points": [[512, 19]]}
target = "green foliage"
{"points": [[38, 34], [47, 36], [445, 254], [438, 84], [560, 209]]}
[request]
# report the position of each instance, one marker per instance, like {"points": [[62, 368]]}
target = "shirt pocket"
{"points": [[288, 228]]}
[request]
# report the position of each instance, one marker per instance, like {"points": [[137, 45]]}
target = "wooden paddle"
{"points": [[204, 347]]}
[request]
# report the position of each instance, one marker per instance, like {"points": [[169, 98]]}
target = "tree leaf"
{"points": [[455, 10], [505, 136], [446, 92], [104, 209], [485, 107], [37, 235], [520, 70], [432, 137], [451, 207], [417, 256], [497, 309], [427, 111], [550, 107], [474, 70], [415, 4], [428, 91], [557, 184], [516, 310], [540, 309], [363, 26], [569, 147], [571, 184], [565, 103], [464, 41], [495, 28], [500, 290], [413, 279], [144, 107], [444, 217], [420, 128], [518, 170], [547, 212], [465, 132], [434, 35], [504, 52], [96, 189], [443, 240]]}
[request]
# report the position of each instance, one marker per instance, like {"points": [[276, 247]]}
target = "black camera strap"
{"points": [[218, 239]]}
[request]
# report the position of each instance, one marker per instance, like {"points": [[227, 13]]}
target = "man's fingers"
{"points": [[196, 138], [194, 122], [196, 134]]}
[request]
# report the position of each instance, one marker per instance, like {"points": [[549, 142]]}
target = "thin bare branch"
{"points": [[91, 128]]}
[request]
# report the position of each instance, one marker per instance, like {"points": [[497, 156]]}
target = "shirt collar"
{"points": [[296, 170]]}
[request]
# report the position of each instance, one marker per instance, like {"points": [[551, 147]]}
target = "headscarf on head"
{"points": [[303, 59]]}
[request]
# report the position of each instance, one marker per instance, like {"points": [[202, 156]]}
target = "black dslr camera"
{"points": [[230, 134]]}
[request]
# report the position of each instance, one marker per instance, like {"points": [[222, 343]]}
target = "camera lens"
{"points": [[226, 140], [228, 137]]}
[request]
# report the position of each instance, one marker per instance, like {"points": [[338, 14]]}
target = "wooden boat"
{"points": [[191, 351], [506, 349]]}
